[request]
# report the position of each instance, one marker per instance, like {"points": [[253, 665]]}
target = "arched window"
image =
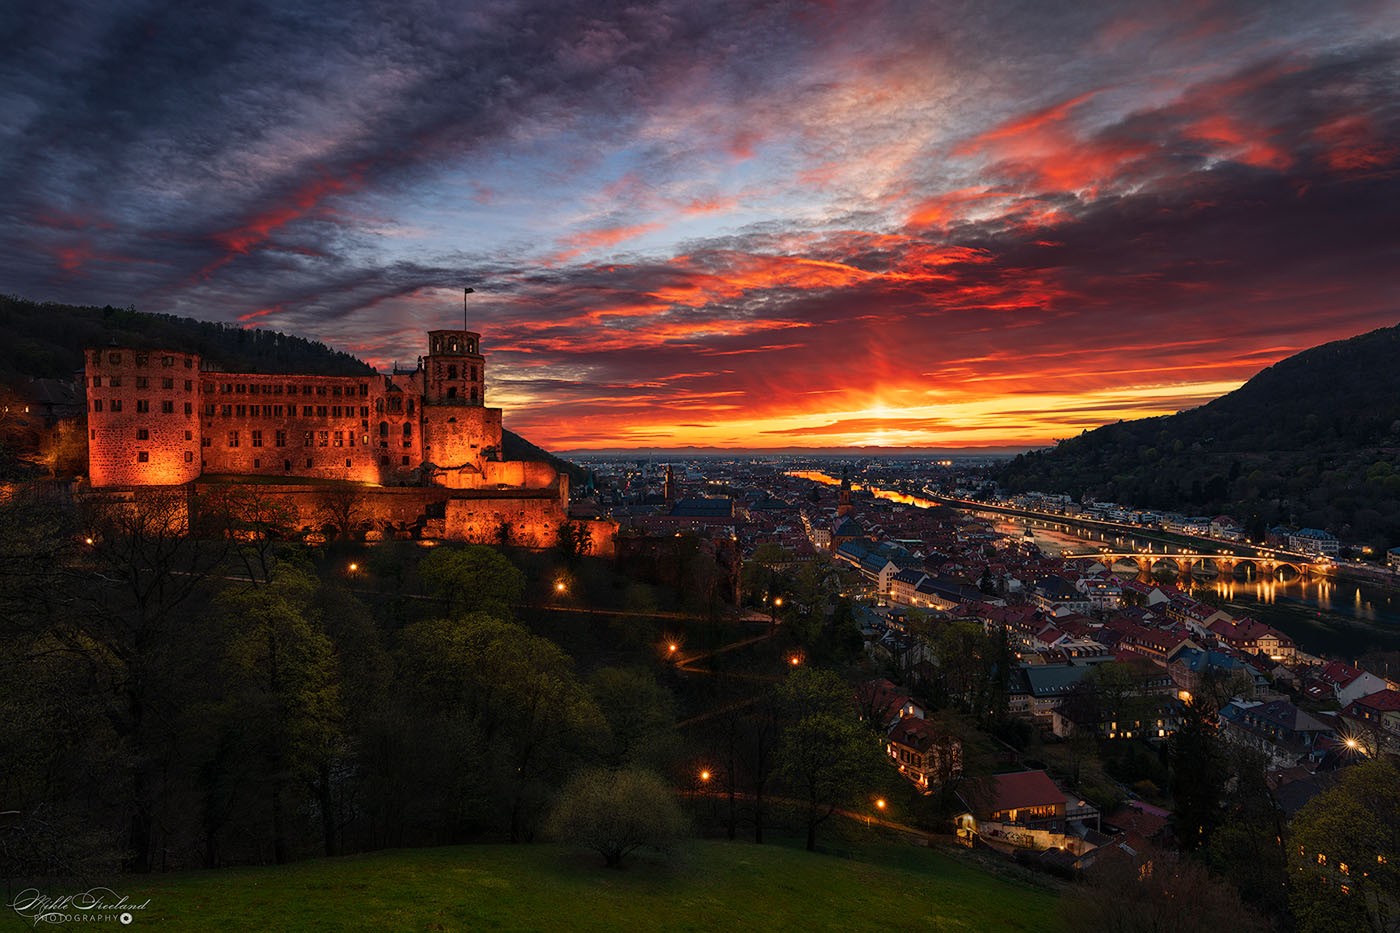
{"points": [[383, 429], [379, 405], [407, 429]]}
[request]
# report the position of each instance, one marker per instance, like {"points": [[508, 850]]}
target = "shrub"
{"points": [[615, 813]]}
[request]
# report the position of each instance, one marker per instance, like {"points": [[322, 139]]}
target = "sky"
{"points": [[709, 223]]}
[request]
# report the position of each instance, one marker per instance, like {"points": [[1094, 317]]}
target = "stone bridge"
{"points": [[1224, 564]]}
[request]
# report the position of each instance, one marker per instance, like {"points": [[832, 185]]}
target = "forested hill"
{"points": [[46, 340], [1312, 440]]}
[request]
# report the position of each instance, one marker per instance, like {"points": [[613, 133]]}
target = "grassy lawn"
{"points": [[705, 886]]}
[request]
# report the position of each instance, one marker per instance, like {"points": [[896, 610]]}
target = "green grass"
{"points": [[704, 886]]}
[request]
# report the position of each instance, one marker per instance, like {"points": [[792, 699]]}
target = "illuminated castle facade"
{"points": [[422, 442]]}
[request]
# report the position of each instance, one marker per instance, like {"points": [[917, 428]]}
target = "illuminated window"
{"points": [[339, 438], [1321, 859], [323, 438], [1342, 867]]}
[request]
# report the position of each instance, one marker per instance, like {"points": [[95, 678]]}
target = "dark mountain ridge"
{"points": [[1312, 440]]}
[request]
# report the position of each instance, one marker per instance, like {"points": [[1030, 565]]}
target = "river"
{"points": [[1332, 618], [1328, 617]]}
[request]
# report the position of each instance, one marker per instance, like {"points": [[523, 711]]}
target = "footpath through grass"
{"points": [[704, 886]]}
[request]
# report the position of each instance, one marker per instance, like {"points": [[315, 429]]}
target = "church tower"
{"points": [[843, 506], [454, 371]]}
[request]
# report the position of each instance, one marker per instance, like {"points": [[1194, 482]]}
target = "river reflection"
{"points": [[1336, 618]]}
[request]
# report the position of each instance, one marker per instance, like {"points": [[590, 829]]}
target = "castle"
{"points": [[419, 447]]}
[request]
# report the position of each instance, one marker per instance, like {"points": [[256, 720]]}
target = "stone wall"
{"points": [[143, 426]]}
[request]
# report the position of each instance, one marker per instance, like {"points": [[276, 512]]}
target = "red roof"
{"points": [[1381, 700], [1015, 791]]}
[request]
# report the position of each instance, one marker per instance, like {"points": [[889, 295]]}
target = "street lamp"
{"points": [[354, 567], [560, 587]]}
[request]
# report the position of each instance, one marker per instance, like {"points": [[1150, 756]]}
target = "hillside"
{"points": [[1312, 440], [711, 885]]}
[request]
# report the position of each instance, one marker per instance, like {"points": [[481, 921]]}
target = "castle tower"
{"points": [[844, 506], [460, 434], [670, 487], [454, 369]]}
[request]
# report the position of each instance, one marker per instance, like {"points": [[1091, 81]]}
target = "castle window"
{"points": [[405, 460], [189, 409], [276, 411], [379, 405], [365, 440], [475, 377], [189, 363], [306, 411], [189, 435], [340, 438], [347, 461], [225, 410], [471, 345], [167, 408], [142, 359], [364, 388], [114, 381], [407, 429], [94, 434], [308, 463], [287, 466], [208, 442], [473, 393], [452, 372], [143, 456], [320, 411], [167, 361], [335, 390], [280, 438], [97, 382], [142, 434], [97, 404], [277, 389], [383, 461], [410, 406], [167, 383], [452, 392], [114, 358], [320, 390], [383, 429], [241, 410], [189, 385], [189, 456], [306, 439], [335, 411], [241, 388], [257, 462], [226, 388], [142, 405], [350, 438], [323, 438], [291, 389], [233, 438], [257, 438]]}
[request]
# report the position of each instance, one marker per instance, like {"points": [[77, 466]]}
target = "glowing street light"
{"points": [[354, 567], [87, 540], [704, 775], [560, 587]]}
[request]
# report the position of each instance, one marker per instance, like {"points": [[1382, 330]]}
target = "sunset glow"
{"points": [[847, 224]]}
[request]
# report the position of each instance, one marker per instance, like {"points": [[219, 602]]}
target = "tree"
{"points": [[615, 813], [574, 539], [474, 578], [514, 695], [826, 756], [285, 688], [1198, 776], [640, 714], [1157, 891], [1344, 849], [342, 506]]}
